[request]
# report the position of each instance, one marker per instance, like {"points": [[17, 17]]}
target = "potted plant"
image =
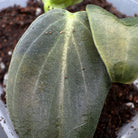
{"points": [[73, 64]]}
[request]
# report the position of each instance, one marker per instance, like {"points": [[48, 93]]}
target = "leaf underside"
{"points": [[57, 82], [117, 43]]}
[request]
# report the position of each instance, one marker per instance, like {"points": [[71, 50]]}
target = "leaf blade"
{"points": [[116, 41], [56, 93]]}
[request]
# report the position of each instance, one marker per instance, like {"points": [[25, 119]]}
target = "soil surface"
{"points": [[122, 101]]}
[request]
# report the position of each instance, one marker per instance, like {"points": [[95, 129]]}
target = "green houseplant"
{"points": [[62, 69]]}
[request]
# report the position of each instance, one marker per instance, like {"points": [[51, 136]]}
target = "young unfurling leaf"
{"points": [[50, 4]]}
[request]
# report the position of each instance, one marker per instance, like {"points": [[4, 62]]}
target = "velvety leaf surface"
{"points": [[117, 42], [50, 4], [57, 82]]}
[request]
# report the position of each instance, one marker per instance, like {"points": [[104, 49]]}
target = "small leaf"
{"points": [[50, 4], [117, 43], [57, 82]]}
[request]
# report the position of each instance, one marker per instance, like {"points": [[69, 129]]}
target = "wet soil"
{"points": [[118, 108]]}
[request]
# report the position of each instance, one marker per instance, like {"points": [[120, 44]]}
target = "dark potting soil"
{"points": [[13, 23]]}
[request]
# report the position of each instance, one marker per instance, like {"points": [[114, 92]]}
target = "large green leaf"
{"points": [[117, 42], [50, 4], [57, 82]]}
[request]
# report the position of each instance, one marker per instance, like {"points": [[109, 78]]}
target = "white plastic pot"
{"points": [[128, 7], [7, 3], [6, 128]]}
